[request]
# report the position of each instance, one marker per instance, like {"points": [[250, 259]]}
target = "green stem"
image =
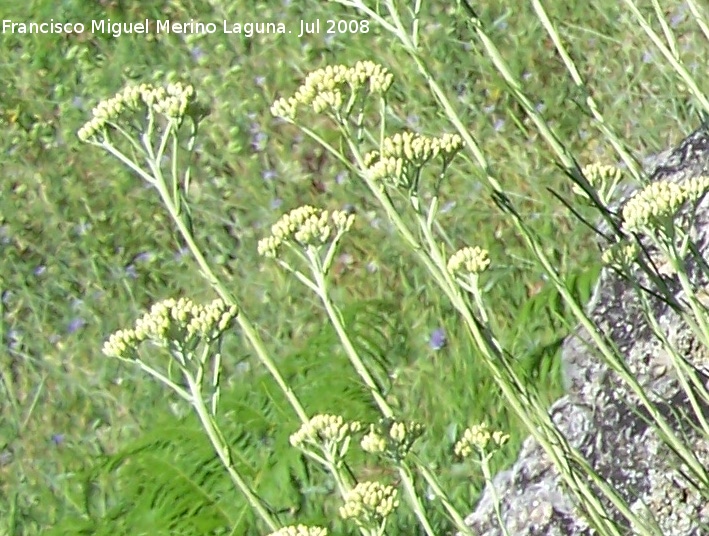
{"points": [[485, 465], [608, 133], [432, 481], [359, 366], [222, 450], [244, 323], [675, 62], [408, 481]]}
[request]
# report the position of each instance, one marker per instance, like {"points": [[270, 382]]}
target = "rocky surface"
{"points": [[602, 417]]}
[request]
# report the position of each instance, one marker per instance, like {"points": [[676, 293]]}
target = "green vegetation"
{"points": [[91, 445]]}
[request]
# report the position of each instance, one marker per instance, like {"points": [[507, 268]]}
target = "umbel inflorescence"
{"points": [[333, 86], [369, 503], [660, 200], [300, 530], [477, 438], [171, 102], [469, 260], [391, 439], [305, 226], [603, 179], [173, 321], [402, 156], [327, 431]]}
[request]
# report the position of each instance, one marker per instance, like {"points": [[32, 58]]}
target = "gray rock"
{"points": [[603, 418]]}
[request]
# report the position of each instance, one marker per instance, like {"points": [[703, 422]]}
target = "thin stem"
{"points": [[408, 481], [676, 63], [485, 465], [222, 450], [244, 323], [699, 17], [359, 366], [607, 131], [432, 481]]}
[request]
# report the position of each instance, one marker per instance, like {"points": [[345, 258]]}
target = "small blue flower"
{"points": [[5, 237], [437, 339], [258, 141], [180, 253], [144, 256], [57, 439], [677, 18], [13, 338], [447, 207], [82, 228], [197, 53], [269, 174], [75, 325]]}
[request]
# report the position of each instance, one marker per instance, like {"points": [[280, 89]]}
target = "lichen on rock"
{"points": [[602, 417]]}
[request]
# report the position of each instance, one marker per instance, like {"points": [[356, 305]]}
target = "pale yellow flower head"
{"points": [[603, 179], [324, 90], [477, 438], [394, 439], [306, 226], [120, 343], [658, 200], [373, 442], [405, 152], [170, 101], [300, 530], [171, 320], [470, 260], [325, 430], [369, 503], [620, 255]]}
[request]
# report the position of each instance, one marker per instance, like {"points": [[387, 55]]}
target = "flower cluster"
{"points": [[620, 255], [657, 200], [307, 226], [394, 439], [602, 178], [470, 260], [300, 530], [322, 89], [478, 437], [171, 101], [405, 152], [695, 187], [369, 503], [173, 320], [329, 431], [660, 199]]}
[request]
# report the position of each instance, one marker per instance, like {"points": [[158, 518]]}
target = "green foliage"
{"points": [[169, 479]]}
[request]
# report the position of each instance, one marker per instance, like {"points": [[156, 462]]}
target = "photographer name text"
{"points": [[147, 26]]}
